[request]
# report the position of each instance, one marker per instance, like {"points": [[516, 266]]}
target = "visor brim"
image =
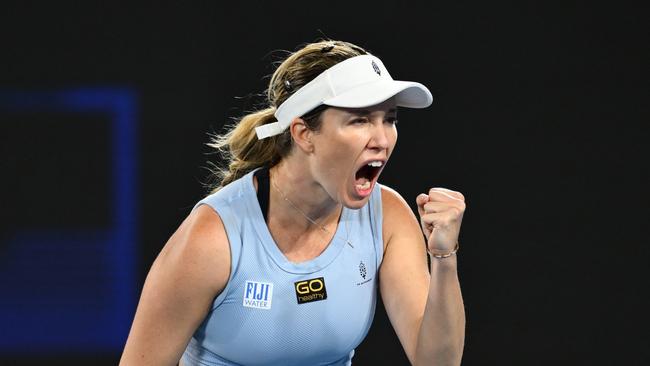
{"points": [[408, 94]]}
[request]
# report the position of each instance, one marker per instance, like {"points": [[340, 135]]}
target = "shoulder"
{"points": [[397, 215], [199, 249], [391, 199], [205, 227], [394, 206]]}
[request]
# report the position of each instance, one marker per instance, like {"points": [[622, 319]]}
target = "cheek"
{"points": [[346, 145], [341, 159], [338, 161], [392, 138]]}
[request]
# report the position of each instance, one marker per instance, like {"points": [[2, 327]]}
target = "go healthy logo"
{"points": [[310, 290]]}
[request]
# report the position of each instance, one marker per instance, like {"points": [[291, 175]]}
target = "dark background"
{"points": [[540, 120]]}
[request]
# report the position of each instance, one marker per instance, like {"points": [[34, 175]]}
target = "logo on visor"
{"points": [[374, 66]]}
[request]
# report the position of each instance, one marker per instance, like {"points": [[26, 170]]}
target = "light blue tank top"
{"points": [[276, 312]]}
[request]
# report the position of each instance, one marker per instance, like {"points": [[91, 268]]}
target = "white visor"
{"points": [[357, 82]]}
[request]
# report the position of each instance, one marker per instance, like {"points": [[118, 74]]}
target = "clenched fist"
{"points": [[441, 213]]}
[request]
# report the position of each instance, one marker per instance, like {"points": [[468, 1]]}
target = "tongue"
{"points": [[363, 179], [363, 183]]}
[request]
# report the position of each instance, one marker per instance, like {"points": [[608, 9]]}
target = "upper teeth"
{"points": [[375, 164]]}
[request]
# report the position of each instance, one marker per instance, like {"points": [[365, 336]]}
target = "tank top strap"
{"points": [[376, 219]]}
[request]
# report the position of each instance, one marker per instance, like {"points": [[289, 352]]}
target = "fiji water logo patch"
{"points": [[310, 290], [258, 294]]}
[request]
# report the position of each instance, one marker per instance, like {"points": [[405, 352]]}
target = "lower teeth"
{"points": [[366, 185]]}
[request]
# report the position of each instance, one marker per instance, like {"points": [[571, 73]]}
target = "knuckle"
{"points": [[448, 192], [446, 222], [455, 213]]}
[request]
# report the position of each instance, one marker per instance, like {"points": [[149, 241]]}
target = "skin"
{"points": [[424, 304]]}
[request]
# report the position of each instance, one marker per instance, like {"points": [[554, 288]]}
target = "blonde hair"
{"points": [[240, 147]]}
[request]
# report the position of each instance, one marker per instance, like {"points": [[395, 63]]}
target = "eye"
{"points": [[359, 121], [391, 120]]}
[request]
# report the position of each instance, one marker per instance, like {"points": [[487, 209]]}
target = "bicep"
{"points": [[189, 272], [404, 276]]}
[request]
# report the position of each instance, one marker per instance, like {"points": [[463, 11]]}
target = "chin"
{"points": [[355, 204]]}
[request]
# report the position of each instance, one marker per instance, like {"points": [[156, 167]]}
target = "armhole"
{"points": [[232, 234], [263, 190], [377, 223]]}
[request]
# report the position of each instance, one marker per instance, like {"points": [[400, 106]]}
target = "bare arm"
{"points": [[425, 309], [189, 272]]}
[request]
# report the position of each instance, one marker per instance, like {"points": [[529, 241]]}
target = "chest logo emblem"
{"points": [[258, 295], [310, 290], [363, 272]]}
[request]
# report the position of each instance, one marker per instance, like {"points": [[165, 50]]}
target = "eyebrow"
{"points": [[365, 112]]}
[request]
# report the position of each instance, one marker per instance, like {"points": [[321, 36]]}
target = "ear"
{"points": [[301, 135]]}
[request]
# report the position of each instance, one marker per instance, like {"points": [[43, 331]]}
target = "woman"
{"points": [[280, 265]]}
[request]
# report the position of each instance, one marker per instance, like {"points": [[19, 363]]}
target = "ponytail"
{"points": [[244, 152]]}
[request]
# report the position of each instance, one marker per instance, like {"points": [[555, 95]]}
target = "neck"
{"points": [[297, 199]]}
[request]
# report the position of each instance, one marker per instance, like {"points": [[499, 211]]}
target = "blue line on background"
{"points": [[119, 240]]}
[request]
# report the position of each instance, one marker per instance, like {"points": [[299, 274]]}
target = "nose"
{"points": [[380, 135]]}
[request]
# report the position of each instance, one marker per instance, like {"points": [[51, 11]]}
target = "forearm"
{"points": [[442, 332]]}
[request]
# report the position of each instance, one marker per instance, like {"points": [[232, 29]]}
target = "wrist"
{"points": [[442, 254], [441, 267]]}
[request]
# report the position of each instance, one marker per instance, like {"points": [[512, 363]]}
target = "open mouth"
{"points": [[367, 174]]}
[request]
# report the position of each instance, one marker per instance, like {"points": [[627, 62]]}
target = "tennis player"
{"points": [[281, 263]]}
